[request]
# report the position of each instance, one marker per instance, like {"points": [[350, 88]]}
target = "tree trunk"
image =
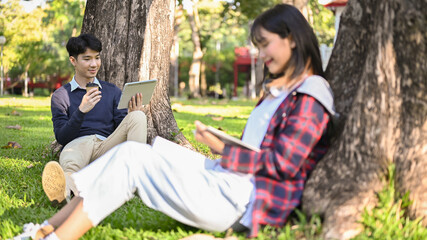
{"points": [[203, 82], [411, 154], [259, 71], [378, 73], [194, 74], [173, 72], [137, 37]]}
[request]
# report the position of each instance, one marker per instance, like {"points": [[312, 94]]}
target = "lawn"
{"points": [[22, 199]]}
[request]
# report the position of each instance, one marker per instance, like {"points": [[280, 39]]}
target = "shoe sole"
{"points": [[53, 181]]}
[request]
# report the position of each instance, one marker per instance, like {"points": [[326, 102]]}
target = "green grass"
{"points": [[22, 199]]}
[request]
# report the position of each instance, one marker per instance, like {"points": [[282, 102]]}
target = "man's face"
{"points": [[87, 64]]}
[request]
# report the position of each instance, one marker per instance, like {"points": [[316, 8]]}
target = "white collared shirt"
{"points": [[75, 85]]}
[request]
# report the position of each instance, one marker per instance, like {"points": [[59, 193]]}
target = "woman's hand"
{"points": [[205, 137], [135, 104]]}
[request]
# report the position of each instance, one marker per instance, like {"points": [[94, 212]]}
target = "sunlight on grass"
{"points": [[18, 101], [224, 111]]}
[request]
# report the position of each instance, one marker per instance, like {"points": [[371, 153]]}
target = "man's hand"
{"points": [[90, 99], [135, 104], [205, 137]]}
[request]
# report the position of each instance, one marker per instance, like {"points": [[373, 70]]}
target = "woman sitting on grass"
{"points": [[244, 189]]}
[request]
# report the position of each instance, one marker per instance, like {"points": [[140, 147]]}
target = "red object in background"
{"points": [[241, 64], [333, 3], [52, 84]]}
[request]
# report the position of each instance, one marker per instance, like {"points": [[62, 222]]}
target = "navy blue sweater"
{"points": [[70, 123]]}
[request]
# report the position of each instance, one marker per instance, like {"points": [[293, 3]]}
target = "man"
{"points": [[86, 121]]}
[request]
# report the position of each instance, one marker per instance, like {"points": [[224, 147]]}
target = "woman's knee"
{"points": [[133, 148], [133, 152]]}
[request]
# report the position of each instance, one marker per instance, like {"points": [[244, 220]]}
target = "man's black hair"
{"points": [[79, 45]]}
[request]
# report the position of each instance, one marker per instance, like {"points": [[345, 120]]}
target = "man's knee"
{"points": [[136, 123], [76, 154], [72, 163], [138, 116]]}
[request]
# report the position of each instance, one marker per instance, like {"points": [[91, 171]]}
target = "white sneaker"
{"points": [[29, 232], [51, 236]]}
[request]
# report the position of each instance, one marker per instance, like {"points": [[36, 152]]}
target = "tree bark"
{"points": [[378, 72], [195, 68], [137, 37], [411, 154]]}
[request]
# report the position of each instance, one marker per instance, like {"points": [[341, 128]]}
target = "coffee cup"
{"points": [[91, 85]]}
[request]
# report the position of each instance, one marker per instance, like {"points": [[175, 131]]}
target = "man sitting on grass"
{"points": [[86, 120]]}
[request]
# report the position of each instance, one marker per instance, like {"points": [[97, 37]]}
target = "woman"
{"points": [[244, 189]]}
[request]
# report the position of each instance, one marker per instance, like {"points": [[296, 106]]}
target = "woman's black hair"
{"points": [[285, 20], [79, 45]]}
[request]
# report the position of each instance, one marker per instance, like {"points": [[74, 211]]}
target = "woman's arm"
{"points": [[205, 137], [284, 151]]}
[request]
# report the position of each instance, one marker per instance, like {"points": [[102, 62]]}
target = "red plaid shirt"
{"points": [[295, 141]]}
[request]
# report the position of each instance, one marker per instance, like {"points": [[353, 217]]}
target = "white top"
{"points": [[257, 124]]}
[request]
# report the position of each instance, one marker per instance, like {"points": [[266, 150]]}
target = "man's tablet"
{"points": [[132, 88]]}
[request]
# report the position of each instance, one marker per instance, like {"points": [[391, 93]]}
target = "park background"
{"points": [[35, 61]]}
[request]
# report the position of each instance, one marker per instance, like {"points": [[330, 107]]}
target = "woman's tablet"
{"points": [[132, 88]]}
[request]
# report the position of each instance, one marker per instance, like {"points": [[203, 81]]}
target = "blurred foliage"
{"points": [[321, 19], [252, 8], [36, 40], [227, 22], [220, 24]]}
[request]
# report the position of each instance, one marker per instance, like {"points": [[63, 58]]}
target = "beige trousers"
{"points": [[78, 153]]}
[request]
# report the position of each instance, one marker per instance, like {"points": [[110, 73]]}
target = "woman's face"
{"points": [[275, 51]]}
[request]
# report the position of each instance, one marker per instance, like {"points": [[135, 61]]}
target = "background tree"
{"points": [[196, 64], [220, 24], [23, 32], [226, 23], [378, 72], [174, 68], [36, 39], [63, 20], [137, 38], [320, 18]]}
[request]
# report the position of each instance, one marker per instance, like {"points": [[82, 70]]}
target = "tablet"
{"points": [[132, 88], [227, 139]]}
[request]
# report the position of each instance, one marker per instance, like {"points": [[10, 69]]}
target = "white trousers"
{"points": [[192, 191]]}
